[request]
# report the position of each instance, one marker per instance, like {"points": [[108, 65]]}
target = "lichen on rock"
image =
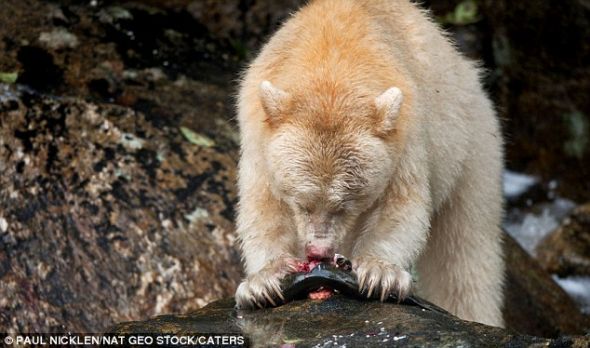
{"points": [[93, 225]]}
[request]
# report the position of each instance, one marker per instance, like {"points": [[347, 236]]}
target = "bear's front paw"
{"points": [[380, 279], [264, 288]]}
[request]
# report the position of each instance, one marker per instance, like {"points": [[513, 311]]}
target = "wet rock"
{"points": [[107, 215], [37, 40], [534, 304], [341, 321], [566, 251]]}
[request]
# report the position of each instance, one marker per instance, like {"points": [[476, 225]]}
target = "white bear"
{"points": [[365, 132]]}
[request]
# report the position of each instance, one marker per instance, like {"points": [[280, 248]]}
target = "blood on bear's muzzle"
{"points": [[319, 251]]}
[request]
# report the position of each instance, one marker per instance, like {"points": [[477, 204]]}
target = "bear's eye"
{"points": [[341, 206], [303, 209], [337, 212]]}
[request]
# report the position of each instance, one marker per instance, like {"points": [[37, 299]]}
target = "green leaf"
{"points": [[466, 12], [579, 134], [196, 138], [8, 77]]}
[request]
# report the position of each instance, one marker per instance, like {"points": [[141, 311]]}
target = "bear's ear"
{"points": [[388, 105], [273, 100]]}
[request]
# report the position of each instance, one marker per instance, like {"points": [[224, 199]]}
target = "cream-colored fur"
{"points": [[365, 132]]}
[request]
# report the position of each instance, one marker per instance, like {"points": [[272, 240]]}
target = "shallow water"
{"points": [[528, 225]]}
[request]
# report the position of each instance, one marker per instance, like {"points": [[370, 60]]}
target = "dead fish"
{"points": [[342, 280]]}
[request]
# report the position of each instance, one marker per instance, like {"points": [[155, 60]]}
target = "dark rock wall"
{"points": [[342, 321], [118, 165], [540, 79], [534, 304], [566, 252], [105, 217]]}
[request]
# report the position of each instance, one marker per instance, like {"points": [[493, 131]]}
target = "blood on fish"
{"points": [[322, 293], [306, 266]]}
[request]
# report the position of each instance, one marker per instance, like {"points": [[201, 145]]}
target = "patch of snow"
{"points": [[6, 94], [578, 288], [515, 184], [530, 228], [3, 224]]}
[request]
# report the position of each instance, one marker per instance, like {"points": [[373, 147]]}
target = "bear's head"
{"points": [[331, 156]]}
